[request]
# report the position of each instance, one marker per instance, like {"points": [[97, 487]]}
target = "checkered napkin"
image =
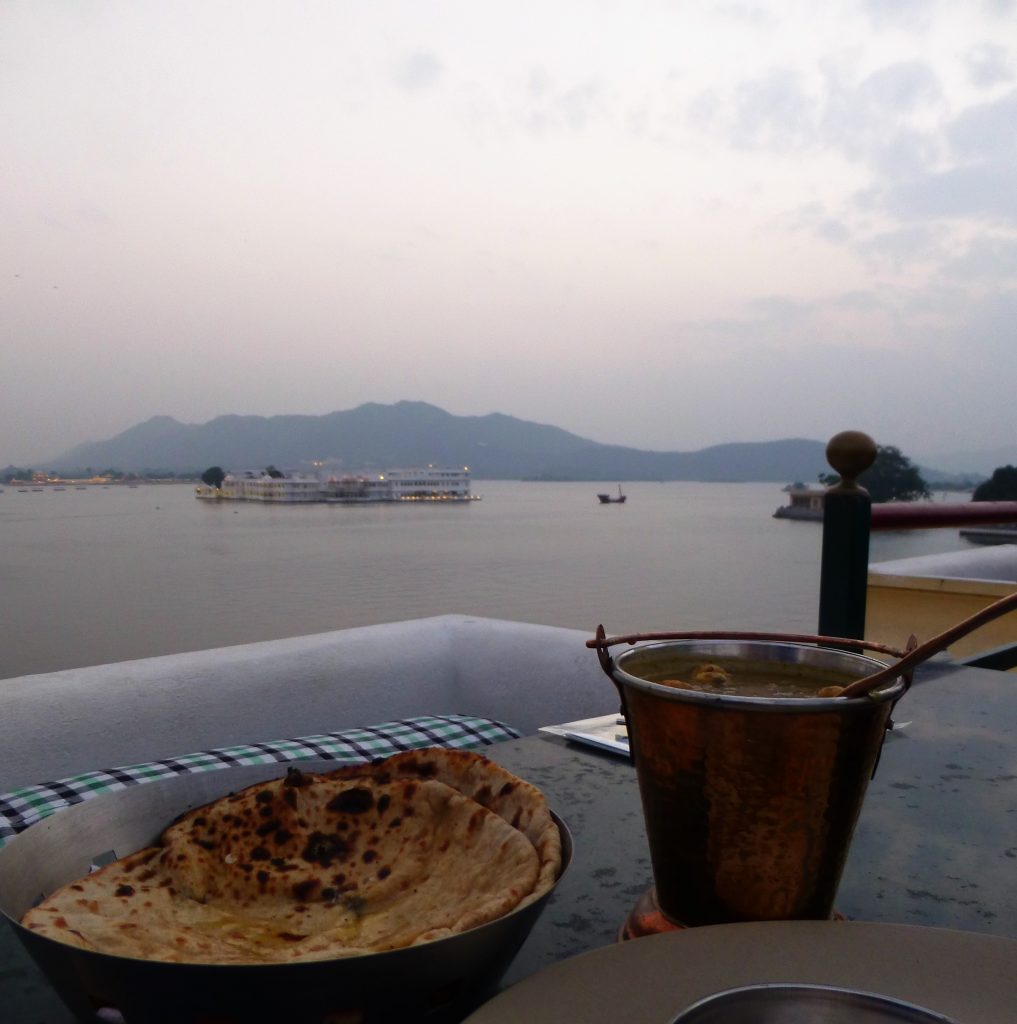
{"points": [[24, 807]]}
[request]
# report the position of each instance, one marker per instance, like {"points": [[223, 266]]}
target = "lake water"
{"points": [[110, 574]]}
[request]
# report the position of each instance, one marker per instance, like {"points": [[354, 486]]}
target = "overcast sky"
{"points": [[659, 224]]}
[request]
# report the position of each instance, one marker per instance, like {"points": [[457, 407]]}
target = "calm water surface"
{"points": [[106, 575]]}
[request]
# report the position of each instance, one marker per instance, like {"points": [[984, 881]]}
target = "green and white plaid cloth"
{"points": [[24, 807]]}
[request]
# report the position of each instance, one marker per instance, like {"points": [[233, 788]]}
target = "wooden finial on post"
{"points": [[846, 524], [850, 453]]}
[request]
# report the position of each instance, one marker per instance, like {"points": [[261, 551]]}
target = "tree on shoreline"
{"points": [[1001, 486], [213, 476]]}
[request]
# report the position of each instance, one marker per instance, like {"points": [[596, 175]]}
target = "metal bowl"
{"points": [[434, 981], [804, 1004]]}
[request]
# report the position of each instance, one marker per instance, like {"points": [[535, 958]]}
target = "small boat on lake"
{"points": [[609, 499]]}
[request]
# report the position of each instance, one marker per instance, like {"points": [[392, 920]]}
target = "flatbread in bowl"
{"points": [[314, 867]]}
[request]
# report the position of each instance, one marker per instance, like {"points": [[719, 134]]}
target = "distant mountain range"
{"points": [[375, 436], [980, 462]]}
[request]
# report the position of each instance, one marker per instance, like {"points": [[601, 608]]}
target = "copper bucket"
{"points": [[750, 802]]}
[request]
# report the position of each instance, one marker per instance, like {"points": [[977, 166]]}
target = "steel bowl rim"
{"points": [[326, 962], [567, 848], [927, 1016], [623, 678]]}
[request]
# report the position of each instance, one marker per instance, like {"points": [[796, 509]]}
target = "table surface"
{"points": [[936, 843]]}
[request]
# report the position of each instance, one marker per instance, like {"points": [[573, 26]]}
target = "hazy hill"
{"points": [[415, 433], [980, 462]]}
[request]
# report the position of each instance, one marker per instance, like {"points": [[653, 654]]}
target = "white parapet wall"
{"points": [[62, 723], [996, 564], [927, 594]]}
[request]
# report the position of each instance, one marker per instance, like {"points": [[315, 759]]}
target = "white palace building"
{"points": [[431, 483]]}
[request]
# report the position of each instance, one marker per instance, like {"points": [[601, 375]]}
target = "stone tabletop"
{"points": [[936, 843]]}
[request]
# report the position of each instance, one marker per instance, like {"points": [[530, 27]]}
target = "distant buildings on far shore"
{"points": [[431, 483]]}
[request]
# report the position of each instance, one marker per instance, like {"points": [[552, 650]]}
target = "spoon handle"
{"points": [[931, 646]]}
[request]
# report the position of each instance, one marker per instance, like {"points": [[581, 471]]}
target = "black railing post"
{"points": [[846, 524]]}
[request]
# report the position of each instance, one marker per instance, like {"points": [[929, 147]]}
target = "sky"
{"points": [[658, 224]]}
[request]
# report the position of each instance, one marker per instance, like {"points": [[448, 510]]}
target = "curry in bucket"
{"points": [[752, 679]]}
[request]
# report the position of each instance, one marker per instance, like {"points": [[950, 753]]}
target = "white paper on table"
{"points": [[607, 732]]}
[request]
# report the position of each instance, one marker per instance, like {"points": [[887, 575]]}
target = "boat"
{"points": [[608, 499]]}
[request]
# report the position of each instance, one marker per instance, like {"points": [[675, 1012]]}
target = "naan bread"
{"points": [[311, 867], [517, 802]]}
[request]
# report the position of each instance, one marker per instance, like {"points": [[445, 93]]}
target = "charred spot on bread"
{"points": [[324, 849], [305, 890], [296, 779], [358, 800]]}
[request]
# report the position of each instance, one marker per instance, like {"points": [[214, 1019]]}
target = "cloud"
{"points": [[754, 15], [904, 155], [987, 131], [868, 121], [900, 87], [902, 339], [901, 321], [989, 65], [833, 230], [911, 15], [972, 178], [989, 260], [554, 108], [929, 174], [587, 179], [783, 327], [418, 71], [874, 122], [989, 330], [706, 110], [905, 246], [983, 191], [773, 112]]}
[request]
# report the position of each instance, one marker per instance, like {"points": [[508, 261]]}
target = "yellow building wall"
{"points": [[898, 606]]}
